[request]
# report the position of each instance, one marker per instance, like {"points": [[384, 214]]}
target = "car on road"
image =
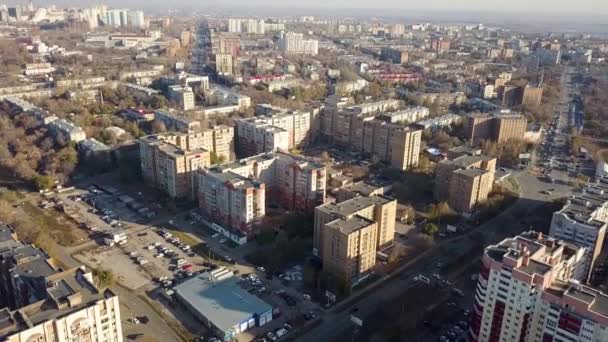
{"points": [[261, 269], [281, 332], [306, 296], [271, 336]]}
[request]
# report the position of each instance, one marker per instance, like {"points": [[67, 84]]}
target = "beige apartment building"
{"points": [[464, 182], [381, 209], [73, 310], [532, 96], [496, 127], [168, 165], [348, 234], [349, 248], [265, 133]]}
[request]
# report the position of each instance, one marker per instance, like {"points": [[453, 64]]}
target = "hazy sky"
{"points": [[594, 7]]}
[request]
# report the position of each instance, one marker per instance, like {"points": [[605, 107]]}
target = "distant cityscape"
{"points": [[200, 176]]}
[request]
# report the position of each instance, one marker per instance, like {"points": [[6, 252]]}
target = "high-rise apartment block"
{"points": [[525, 293], [440, 45], [224, 64], [583, 221], [361, 129], [231, 200], [183, 96], [532, 95], [349, 248], [499, 128], [44, 303], [348, 234], [292, 42], [124, 18], [391, 143], [169, 163], [465, 182], [278, 131], [291, 182], [172, 121]]}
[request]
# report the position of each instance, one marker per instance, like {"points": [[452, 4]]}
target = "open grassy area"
{"points": [[54, 225]]}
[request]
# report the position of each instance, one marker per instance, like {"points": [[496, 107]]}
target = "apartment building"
{"points": [[230, 199], [394, 55], [499, 127], [183, 96], [292, 182], [278, 131], [407, 115], [174, 122], [583, 221], [524, 293], [224, 64], [532, 95], [68, 130], [73, 309], [464, 182], [218, 140], [170, 166], [291, 42], [42, 302], [349, 248], [346, 125], [379, 208], [395, 144]]}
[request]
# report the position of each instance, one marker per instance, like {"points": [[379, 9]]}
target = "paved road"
{"points": [[336, 323]]}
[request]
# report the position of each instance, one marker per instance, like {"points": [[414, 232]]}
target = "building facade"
{"points": [[499, 128], [583, 221], [524, 293], [288, 181], [170, 166], [465, 182]]}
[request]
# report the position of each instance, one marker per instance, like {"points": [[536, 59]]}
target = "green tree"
{"points": [[43, 182], [438, 211], [430, 229], [103, 278]]}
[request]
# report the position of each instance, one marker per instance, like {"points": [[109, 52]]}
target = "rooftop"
{"points": [[354, 205], [350, 225], [595, 300], [583, 208], [218, 297]]}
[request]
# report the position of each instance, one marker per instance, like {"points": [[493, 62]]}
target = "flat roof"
{"points": [[354, 205], [351, 225], [221, 301]]}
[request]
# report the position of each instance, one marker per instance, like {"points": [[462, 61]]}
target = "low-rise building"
{"points": [[440, 121], [173, 121], [216, 299], [408, 115], [68, 130], [140, 91], [38, 69]]}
